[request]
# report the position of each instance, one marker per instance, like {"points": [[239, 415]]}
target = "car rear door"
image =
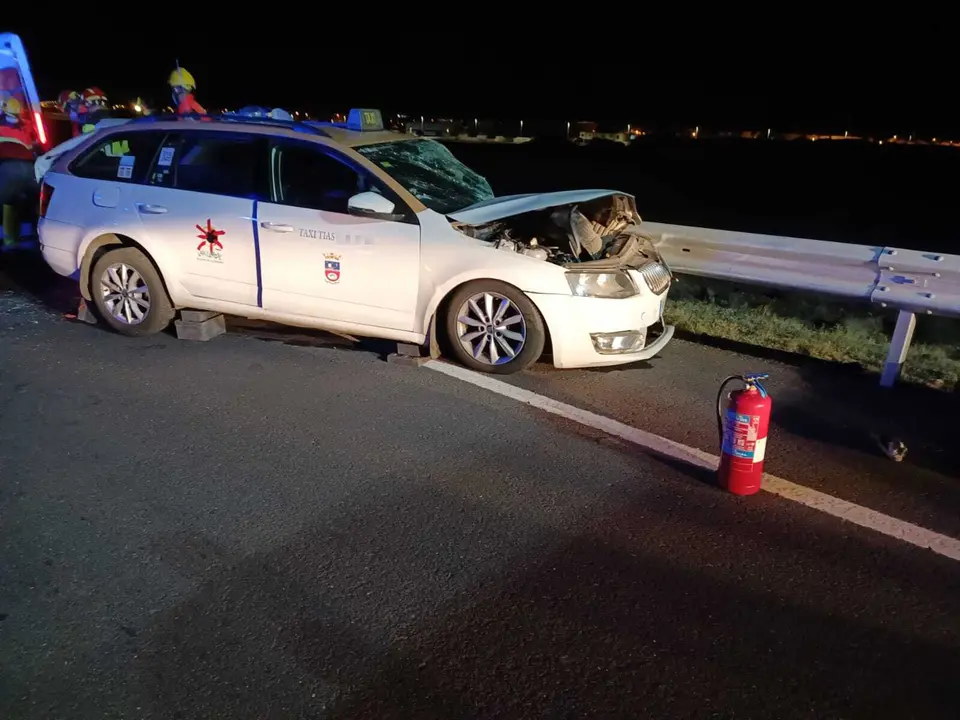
{"points": [[317, 259], [199, 202], [96, 195]]}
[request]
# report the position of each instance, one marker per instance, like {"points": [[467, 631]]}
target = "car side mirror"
{"points": [[374, 205]]}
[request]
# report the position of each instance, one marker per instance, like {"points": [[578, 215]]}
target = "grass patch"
{"points": [[809, 325]]}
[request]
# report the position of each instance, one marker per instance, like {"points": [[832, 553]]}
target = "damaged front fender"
{"points": [[594, 232]]}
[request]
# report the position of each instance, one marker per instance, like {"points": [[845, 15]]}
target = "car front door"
{"points": [[199, 204], [320, 261]]}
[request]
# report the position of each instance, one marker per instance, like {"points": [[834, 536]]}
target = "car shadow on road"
{"points": [[26, 272], [643, 611], [308, 337]]}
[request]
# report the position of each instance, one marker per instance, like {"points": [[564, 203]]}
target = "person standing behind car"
{"points": [[17, 180], [93, 109], [182, 85], [69, 104]]}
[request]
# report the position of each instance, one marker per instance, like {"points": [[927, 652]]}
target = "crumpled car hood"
{"points": [[503, 207]]}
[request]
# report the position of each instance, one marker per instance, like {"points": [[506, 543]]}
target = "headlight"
{"points": [[617, 284]]}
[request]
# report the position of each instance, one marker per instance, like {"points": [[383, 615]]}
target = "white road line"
{"points": [[843, 509]]}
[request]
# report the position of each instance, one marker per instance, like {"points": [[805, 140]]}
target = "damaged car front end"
{"points": [[597, 279], [596, 237]]}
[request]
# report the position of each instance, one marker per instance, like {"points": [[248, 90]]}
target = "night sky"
{"points": [[819, 75]]}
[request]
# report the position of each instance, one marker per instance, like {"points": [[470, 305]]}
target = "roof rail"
{"points": [[295, 125]]}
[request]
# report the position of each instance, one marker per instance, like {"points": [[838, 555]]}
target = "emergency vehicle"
{"points": [[22, 136], [16, 82]]}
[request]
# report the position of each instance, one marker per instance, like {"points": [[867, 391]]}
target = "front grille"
{"points": [[657, 276]]}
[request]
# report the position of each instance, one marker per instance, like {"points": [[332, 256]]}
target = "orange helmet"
{"points": [[67, 97], [94, 96]]}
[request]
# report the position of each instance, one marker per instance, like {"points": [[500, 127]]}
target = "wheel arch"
{"points": [[441, 306], [101, 245]]}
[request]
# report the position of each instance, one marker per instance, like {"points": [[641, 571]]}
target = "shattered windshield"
{"points": [[429, 172]]}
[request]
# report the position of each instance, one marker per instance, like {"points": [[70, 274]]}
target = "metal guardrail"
{"points": [[909, 280], [919, 281]]}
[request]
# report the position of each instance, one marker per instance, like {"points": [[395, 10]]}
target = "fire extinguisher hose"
{"points": [[723, 385]]}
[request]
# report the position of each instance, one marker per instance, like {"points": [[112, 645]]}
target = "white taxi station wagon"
{"points": [[353, 229]]}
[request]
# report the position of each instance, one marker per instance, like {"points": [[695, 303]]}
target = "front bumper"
{"points": [[573, 321]]}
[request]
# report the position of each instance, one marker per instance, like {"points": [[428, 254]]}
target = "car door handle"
{"points": [[276, 227], [152, 209]]}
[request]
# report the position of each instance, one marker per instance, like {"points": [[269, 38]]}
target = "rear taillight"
{"points": [[46, 192], [41, 131]]}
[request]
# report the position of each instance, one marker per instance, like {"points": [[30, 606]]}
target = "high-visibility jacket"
{"points": [[188, 105], [16, 143]]}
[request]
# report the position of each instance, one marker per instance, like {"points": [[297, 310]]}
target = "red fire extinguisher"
{"points": [[743, 427]]}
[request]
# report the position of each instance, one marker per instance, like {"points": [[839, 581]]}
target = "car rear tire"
{"points": [[494, 328], [129, 294]]}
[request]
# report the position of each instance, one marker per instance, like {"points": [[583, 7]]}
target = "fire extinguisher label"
{"points": [[740, 435]]}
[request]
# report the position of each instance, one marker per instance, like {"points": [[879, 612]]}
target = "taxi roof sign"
{"points": [[364, 120]]}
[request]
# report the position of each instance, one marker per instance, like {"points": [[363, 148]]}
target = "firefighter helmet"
{"points": [[94, 96], [11, 106], [182, 78], [67, 97]]}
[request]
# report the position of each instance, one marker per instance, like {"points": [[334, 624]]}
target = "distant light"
{"points": [[138, 108], [934, 139]]}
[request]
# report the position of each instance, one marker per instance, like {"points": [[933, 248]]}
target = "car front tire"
{"points": [[494, 328], [129, 294]]}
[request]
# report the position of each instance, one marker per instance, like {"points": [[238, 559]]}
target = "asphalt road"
{"points": [[250, 529], [825, 422]]}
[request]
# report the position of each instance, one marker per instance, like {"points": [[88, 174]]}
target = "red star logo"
{"points": [[210, 236]]}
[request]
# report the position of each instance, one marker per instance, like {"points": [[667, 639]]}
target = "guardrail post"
{"points": [[899, 346]]}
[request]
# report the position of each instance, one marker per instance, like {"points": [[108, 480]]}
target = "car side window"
{"points": [[307, 177], [218, 163], [121, 157]]}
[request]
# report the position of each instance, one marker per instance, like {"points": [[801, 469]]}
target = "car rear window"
{"points": [[123, 157]]}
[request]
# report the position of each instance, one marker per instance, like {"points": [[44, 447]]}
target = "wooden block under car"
{"points": [[407, 354], [200, 330]]}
